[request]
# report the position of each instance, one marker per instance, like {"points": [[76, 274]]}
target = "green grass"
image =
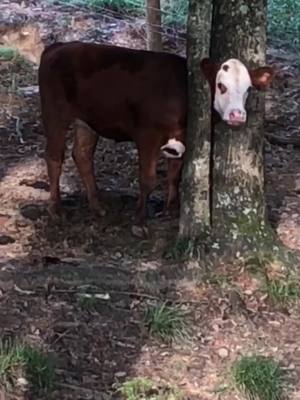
{"points": [[259, 378], [180, 250], [279, 282], [166, 322], [217, 280], [283, 291], [88, 303], [20, 361], [146, 389], [7, 53]]}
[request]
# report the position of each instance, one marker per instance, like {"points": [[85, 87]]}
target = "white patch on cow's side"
{"points": [[173, 149], [232, 84]]}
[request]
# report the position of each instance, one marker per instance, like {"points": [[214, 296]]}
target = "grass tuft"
{"points": [[146, 389], [283, 292], [88, 303], [184, 249], [259, 378], [166, 322], [23, 363]]}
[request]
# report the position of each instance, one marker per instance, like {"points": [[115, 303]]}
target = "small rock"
{"points": [[22, 381], [120, 374], [117, 255], [5, 239], [46, 260], [140, 231], [6, 285], [32, 212], [223, 352], [159, 245]]}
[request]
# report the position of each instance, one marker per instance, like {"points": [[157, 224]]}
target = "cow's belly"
{"points": [[109, 132]]}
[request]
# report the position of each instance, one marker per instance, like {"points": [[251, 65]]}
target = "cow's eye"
{"points": [[222, 88]]}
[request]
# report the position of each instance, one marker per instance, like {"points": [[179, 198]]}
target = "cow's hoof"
{"points": [[172, 211], [97, 210], [55, 211], [140, 231]]}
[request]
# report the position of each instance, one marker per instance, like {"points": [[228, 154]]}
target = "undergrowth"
{"points": [[259, 378], [166, 322], [283, 16], [143, 388], [21, 364]]}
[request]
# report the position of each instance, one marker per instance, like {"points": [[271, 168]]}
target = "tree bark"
{"points": [[238, 204], [195, 212], [223, 212], [154, 40]]}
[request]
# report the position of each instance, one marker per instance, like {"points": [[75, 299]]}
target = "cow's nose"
{"points": [[236, 115]]}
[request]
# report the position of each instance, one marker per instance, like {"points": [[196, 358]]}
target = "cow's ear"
{"points": [[209, 69], [261, 77]]}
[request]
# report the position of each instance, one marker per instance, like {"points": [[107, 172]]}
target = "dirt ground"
{"points": [[45, 265]]}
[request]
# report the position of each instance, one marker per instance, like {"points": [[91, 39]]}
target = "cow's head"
{"points": [[230, 83]]}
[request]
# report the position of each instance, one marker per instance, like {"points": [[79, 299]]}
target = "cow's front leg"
{"points": [[174, 177], [148, 156]]}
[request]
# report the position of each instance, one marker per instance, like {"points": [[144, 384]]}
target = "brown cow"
{"points": [[129, 95]]}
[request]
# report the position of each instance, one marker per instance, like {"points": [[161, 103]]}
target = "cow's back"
{"points": [[119, 92]]}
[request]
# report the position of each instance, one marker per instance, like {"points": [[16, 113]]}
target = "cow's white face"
{"points": [[231, 91], [230, 84]]}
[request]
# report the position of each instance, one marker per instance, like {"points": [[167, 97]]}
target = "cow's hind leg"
{"points": [[55, 150], [83, 154]]}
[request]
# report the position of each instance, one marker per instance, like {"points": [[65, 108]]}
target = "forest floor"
{"points": [[48, 268]]}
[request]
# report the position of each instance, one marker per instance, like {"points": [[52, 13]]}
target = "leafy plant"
{"points": [[146, 389], [283, 291]]}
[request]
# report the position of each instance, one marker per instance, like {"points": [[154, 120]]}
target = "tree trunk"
{"points": [[223, 213], [238, 205], [154, 41], [195, 215]]}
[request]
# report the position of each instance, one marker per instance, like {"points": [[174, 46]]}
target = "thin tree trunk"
{"points": [[238, 204], [154, 40], [194, 215]]}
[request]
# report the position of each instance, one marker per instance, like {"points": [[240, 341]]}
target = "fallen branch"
{"points": [[80, 389]]}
